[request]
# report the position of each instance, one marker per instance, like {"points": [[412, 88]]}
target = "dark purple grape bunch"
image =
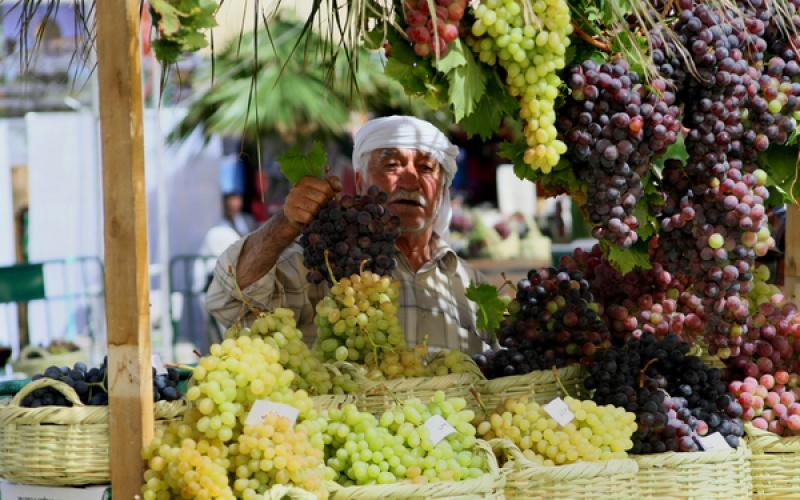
{"points": [[554, 322], [614, 126], [675, 397], [349, 234], [91, 386]]}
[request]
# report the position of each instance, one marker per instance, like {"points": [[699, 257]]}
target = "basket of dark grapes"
{"points": [[773, 463], [55, 431], [688, 443], [553, 322]]}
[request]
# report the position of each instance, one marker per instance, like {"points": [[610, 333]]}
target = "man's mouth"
{"points": [[410, 203]]}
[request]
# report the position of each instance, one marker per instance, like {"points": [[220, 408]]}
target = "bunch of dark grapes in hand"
{"points": [[614, 126], [675, 397], [554, 322], [350, 234], [642, 301], [91, 386], [433, 37]]}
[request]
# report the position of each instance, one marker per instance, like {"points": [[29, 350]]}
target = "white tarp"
{"points": [[8, 312]]}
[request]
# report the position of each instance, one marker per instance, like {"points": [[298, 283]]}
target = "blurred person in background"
{"points": [[414, 163]]}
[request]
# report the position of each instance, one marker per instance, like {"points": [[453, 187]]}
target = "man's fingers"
{"points": [[335, 183], [314, 183], [310, 196], [299, 215]]}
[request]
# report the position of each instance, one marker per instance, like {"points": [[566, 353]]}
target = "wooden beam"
{"points": [[792, 251], [126, 260]]}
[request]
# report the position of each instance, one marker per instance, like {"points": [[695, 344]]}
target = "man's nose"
{"points": [[409, 179]]}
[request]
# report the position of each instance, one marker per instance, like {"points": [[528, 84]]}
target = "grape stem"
{"points": [[590, 39], [478, 399], [506, 282], [643, 370], [328, 266], [558, 381]]}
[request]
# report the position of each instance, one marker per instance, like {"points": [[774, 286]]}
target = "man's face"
{"points": [[412, 179]]}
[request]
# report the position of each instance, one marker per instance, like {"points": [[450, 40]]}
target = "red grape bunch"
{"points": [[350, 234], [431, 36]]}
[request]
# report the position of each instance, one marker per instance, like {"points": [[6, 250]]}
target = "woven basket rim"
{"points": [[761, 441], [494, 477], [675, 459], [502, 384], [13, 413], [519, 464]]}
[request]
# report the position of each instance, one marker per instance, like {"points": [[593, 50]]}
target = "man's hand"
{"points": [[307, 197]]}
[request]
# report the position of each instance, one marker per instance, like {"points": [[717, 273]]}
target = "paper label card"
{"points": [[263, 407], [714, 442], [438, 429], [159, 365], [559, 411]]}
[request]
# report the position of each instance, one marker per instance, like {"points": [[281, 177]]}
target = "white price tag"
{"points": [[159, 365], [262, 407], [714, 442], [559, 411], [438, 429]]}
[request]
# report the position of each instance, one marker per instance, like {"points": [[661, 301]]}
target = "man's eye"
{"points": [[391, 164]]}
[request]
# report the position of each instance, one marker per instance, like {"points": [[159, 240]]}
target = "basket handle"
{"points": [[61, 387], [27, 351]]}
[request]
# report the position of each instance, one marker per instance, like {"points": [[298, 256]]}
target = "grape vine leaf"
{"points": [[491, 308], [647, 207], [467, 85], [295, 164], [783, 168], [626, 260], [675, 151], [168, 22], [560, 179], [495, 104], [454, 58]]}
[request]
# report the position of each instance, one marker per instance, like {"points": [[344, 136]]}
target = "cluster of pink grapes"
{"points": [[432, 31], [769, 402]]}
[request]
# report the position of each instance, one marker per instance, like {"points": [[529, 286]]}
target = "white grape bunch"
{"points": [[273, 452], [530, 45], [359, 317], [279, 329], [596, 433]]}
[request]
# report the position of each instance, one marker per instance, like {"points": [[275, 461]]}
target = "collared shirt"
{"points": [[432, 300]]}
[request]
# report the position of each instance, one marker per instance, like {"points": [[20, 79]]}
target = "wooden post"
{"points": [[126, 260], [792, 250]]}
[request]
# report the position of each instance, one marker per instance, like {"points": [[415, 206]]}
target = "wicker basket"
{"points": [[488, 486], [60, 446], [282, 492], [722, 475], [328, 401], [612, 479], [33, 360], [540, 385], [379, 395], [774, 463]]}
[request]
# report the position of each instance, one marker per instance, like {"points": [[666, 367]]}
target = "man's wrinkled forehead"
{"points": [[384, 154]]}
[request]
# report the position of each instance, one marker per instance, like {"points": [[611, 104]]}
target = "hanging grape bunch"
{"points": [[356, 232], [530, 42], [614, 127], [432, 37]]}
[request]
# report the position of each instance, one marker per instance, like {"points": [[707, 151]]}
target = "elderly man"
{"points": [[414, 163]]}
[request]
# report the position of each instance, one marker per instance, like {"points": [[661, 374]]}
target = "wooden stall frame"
{"points": [[127, 280], [792, 253]]}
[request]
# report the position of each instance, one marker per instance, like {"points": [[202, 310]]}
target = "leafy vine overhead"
{"points": [[182, 26]]}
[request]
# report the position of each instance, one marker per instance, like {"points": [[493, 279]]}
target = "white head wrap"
{"points": [[408, 132]]}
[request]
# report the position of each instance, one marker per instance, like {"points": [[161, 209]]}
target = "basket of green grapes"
{"points": [[414, 449], [567, 448]]}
